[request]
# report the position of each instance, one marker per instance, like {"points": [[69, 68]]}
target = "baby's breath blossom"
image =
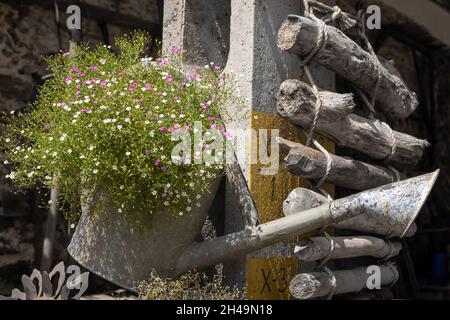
{"points": [[99, 123]]}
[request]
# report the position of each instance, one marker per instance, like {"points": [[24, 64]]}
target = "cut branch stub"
{"points": [[342, 55], [318, 248], [319, 284], [369, 136], [346, 172]]}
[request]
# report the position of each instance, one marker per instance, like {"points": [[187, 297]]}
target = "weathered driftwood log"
{"points": [[319, 284], [318, 248], [342, 55], [345, 172], [301, 199], [296, 102]]}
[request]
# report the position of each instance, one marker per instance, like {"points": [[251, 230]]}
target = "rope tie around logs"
{"points": [[333, 282], [320, 43], [330, 252]]}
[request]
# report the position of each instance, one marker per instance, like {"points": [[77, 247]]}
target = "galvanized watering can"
{"points": [[105, 245]]}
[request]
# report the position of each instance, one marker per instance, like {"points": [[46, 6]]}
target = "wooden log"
{"points": [[342, 55], [346, 172], [296, 103], [302, 199], [319, 248], [319, 284]]}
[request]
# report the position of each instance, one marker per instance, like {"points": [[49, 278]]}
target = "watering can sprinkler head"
{"points": [[397, 203], [387, 210]]}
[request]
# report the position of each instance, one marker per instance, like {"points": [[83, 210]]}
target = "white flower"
{"points": [[5, 162], [154, 192], [119, 210], [91, 148], [128, 109], [128, 153], [122, 187], [82, 156], [95, 171], [151, 134], [119, 127], [114, 167], [7, 140], [69, 151], [188, 209], [180, 213], [127, 120]]}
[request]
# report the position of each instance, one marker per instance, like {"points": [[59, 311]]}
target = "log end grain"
{"points": [[296, 98], [288, 32], [304, 286]]}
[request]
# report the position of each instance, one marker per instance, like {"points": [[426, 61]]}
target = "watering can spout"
{"points": [[400, 201]]}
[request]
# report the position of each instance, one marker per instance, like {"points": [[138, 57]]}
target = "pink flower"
{"points": [[211, 118], [177, 99], [162, 129], [163, 61], [216, 67], [176, 50], [73, 69], [197, 67], [66, 54], [169, 79], [85, 110], [186, 127], [163, 168], [80, 74], [213, 126], [157, 162], [68, 80], [93, 68], [206, 105], [189, 75], [148, 87], [227, 135], [103, 84]]}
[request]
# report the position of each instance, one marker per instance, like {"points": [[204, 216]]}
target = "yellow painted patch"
{"points": [[268, 279], [269, 192]]}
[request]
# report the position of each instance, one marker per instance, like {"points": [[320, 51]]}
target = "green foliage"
{"points": [[189, 286], [105, 122]]}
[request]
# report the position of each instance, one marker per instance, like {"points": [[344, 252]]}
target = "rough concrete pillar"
{"points": [[199, 27]]}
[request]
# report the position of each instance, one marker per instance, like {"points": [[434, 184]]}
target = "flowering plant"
{"points": [[107, 121]]}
